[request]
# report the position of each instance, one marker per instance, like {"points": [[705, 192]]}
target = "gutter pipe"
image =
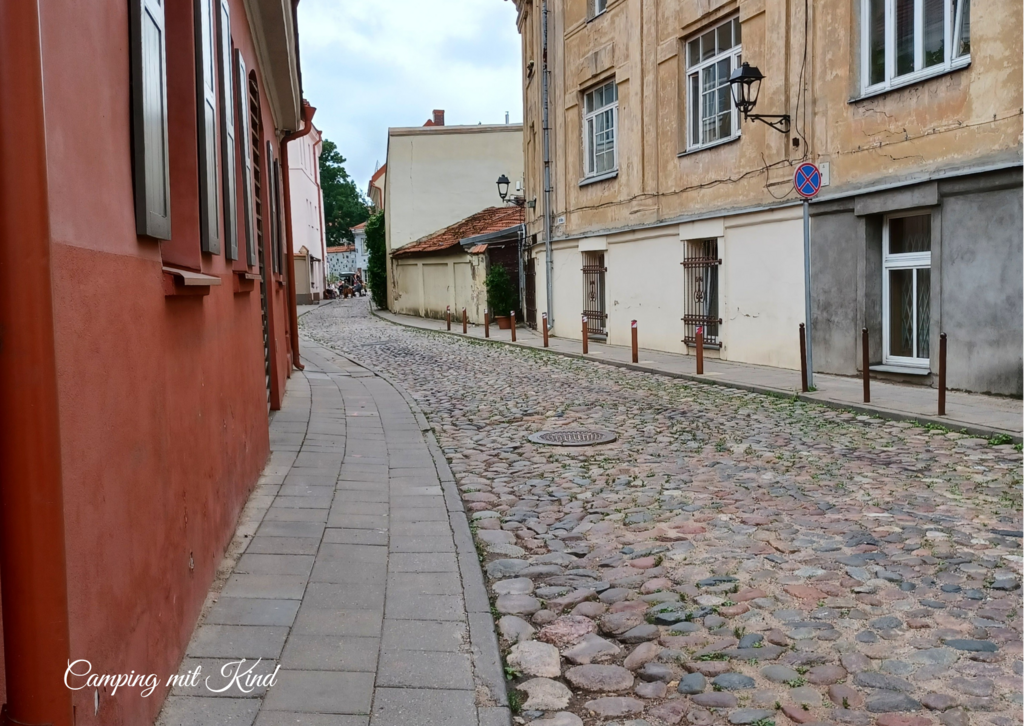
{"points": [[33, 565], [546, 127], [307, 121]]}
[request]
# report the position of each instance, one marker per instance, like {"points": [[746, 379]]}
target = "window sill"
{"points": [[924, 76], [599, 178], [245, 281], [901, 369], [723, 142], [187, 282]]}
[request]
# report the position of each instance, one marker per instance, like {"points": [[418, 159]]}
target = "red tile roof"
{"points": [[359, 226], [342, 248], [492, 219], [376, 174]]}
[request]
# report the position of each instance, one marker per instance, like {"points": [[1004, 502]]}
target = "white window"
{"points": [[906, 289], [710, 60], [596, 7], [903, 41], [600, 119]]}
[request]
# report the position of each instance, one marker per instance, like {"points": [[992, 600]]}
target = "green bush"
{"points": [[377, 264], [502, 296]]}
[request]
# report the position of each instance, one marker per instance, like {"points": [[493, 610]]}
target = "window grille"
{"points": [[700, 268], [594, 294]]}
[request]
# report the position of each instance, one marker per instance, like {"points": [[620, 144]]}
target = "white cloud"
{"points": [[370, 65]]}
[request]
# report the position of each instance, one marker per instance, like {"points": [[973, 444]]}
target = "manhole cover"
{"points": [[577, 437]]}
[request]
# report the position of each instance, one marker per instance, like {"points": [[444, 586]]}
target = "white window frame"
{"points": [[734, 54], [908, 261], [596, 7], [951, 30], [589, 160]]}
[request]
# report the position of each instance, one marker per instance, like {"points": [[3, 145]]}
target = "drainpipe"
{"points": [[320, 217], [307, 120], [33, 572], [546, 127]]}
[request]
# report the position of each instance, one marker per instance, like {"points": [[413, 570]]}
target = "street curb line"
{"points": [[985, 432], [483, 638]]}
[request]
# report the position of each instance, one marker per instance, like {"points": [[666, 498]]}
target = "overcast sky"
{"points": [[370, 65]]}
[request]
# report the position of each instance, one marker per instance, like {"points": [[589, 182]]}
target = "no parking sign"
{"points": [[807, 180]]}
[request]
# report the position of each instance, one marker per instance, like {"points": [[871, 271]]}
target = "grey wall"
{"points": [[982, 290], [977, 278]]}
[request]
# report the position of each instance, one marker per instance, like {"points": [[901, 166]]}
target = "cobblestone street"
{"points": [[731, 557]]}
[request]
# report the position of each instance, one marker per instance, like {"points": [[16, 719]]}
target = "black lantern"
{"points": [[503, 183], [746, 84]]}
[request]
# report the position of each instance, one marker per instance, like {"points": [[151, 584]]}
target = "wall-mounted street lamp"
{"points": [[503, 183], [746, 83]]}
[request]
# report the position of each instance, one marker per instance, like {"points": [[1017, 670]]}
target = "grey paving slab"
{"points": [[344, 572], [436, 543], [357, 521], [305, 501], [264, 545], [423, 707], [428, 635], [425, 669], [344, 597], [330, 653], [420, 562], [341, 692], [214, 682], [288, 587], [291, 529], [201, 711], [252, 611], [425, 607], [291, 718], [293, 514], [238, 641], [331, 621], [275, 564], [340, 535]]}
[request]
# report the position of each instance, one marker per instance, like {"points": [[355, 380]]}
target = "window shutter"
{"points": [[243, 128], [209, 222], [272, 196], [227, 133], [149, 120]]}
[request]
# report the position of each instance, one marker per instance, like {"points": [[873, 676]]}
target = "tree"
{"points": [[344, 205], [377, 264]]}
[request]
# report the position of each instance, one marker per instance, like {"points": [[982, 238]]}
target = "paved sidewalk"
{"points": [[978, 414], [358, 575]]}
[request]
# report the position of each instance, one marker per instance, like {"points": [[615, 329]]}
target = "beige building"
{"points": [[669, 207], [438, 175]]}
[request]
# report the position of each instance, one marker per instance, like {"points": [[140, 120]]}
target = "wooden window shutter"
{"points": [[242, 109], [227, 133], [149, 119], [206, 87], [275, 229]]}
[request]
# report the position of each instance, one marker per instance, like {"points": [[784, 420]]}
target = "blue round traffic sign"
{"points": [[807, 180]]}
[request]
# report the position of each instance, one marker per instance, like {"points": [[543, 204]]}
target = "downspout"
{"points": [[546, 128], [33, 567], [320, 217], [293, 312]]}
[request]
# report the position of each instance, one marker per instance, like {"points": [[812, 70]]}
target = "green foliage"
{"points": [[502, 297], [344, 205], [377, 264]]}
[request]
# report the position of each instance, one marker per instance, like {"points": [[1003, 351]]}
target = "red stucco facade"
{"points": [[163, 402]]}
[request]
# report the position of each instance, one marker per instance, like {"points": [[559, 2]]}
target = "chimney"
{"points": [[438, 117]]}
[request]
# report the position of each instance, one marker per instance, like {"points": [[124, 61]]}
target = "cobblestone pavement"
{"points": [[732, 557]]}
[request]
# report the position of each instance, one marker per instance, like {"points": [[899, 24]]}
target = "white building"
{"points": [[310, 245], [438, 175], [362, 256]]}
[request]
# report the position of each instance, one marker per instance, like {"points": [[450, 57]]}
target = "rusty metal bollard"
{"points": [[544, 324], [865, 365], [803, 359], [513, 316], [636, 350], [586, 336], [487, 323], [463, 321], [942, 374], [448, 317], [700, 351]]}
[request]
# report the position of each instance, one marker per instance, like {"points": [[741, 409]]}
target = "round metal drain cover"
{"points": [[573, 437]]}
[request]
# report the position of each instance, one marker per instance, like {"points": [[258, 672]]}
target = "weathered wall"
{"points": [[426, 286], [163, 402]]}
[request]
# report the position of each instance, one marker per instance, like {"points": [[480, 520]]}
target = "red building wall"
{"points": [[163, 402]]}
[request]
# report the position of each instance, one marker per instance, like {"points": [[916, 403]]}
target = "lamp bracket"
{"points": [[779, 122]]}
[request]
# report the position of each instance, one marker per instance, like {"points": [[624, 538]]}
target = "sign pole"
{"points": [[807, 183], [807, 291]]}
